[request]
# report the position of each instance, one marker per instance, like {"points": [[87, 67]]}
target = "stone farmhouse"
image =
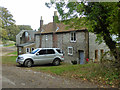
{"points": [[76, 44]]}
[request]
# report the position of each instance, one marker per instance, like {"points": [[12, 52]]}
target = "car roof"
{"points": [[47, 48]]}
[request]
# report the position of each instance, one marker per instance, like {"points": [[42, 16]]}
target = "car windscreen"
{"points": [[34, 51]]}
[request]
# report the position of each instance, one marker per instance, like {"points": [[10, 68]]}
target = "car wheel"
{"points": [[56, 62], [28, 63]]}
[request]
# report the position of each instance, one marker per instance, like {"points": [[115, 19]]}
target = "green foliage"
{"points": [[9, 29], [6, 17], [24, 27], [3, 34]]}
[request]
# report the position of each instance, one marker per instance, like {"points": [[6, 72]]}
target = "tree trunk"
{"points": [[112, 46]]}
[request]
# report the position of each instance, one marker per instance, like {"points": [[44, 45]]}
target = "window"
{"points": [[59, 51], [42, 52], [32, 49], [50, 51], [96, 55], [102, 51], [73, 37], [70, 50], [27, 50], [46, 37], [20, 50]]}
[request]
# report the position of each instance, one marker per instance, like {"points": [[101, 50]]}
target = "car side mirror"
{"points": [[37, 54]]}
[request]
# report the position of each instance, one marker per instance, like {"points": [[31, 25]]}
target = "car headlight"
{"points": [[20, 58]]}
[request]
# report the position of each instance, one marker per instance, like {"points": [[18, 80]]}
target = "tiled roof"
{"points": [[60, 27]]}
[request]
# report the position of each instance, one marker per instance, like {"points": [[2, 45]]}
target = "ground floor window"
{"points": [[27, 50], [20, 50], [32, 49], [70, 50]]}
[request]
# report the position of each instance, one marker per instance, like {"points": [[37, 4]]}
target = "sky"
{"points": [[29, 12]]}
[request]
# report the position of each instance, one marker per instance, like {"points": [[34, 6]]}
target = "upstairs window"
{"points": [[73, 37]]}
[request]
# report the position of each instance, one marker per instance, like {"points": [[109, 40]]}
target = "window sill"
{"points": [[72, 41], [70, 54]]}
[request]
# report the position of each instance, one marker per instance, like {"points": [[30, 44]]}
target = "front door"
{"points": [[81, 56]]}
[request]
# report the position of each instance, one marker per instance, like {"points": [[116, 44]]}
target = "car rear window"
{"points": [[59, 51]]}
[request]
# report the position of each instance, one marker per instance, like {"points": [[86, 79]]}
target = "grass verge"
{"points": [[91, 72], [13, 53], [9, 45], [9, 60]]}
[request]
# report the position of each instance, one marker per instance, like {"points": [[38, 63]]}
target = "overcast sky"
{"points": [[28, 12]]}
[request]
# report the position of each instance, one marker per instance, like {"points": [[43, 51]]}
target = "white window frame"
{"points": [[28, 50], [69, 51], [74, 33]]}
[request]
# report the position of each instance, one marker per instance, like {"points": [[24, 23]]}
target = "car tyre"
{"points": [[28, 63], [56, 62]]}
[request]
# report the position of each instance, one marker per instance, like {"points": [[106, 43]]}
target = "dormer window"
{"points": [[73, 36], [57, 29]]}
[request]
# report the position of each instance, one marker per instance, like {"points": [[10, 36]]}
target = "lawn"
{"points": [[9, 45], [13, 53], [92, 72], [11, 60]]}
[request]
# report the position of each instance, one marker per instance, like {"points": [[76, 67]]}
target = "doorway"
{"points": [[81, 56]]}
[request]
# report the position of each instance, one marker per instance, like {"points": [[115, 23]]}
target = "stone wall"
{"points": [[93, 45]]}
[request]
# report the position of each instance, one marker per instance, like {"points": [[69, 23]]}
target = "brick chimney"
{"points": [[55, 19], [41, 27], [41, 24]]}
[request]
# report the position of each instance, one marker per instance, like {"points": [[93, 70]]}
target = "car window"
{"points": [[42, 52], [59, 51], [34, 51], [50, 51]]}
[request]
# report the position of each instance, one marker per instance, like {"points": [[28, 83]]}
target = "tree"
{"points": [[101, 18], [24, 27], [6, 17], [8, 27]]}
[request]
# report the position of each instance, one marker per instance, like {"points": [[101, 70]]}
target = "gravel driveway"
{"points": [[19, 77]]}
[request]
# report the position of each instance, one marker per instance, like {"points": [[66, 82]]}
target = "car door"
{"points": [[41, 57], [50, 55]]}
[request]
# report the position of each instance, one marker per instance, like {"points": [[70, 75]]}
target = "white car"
{"points": [[41, 56]]}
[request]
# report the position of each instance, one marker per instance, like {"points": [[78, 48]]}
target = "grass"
{"points": [[92, 72], [9, 45], [9, 60], [14, 53]]}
